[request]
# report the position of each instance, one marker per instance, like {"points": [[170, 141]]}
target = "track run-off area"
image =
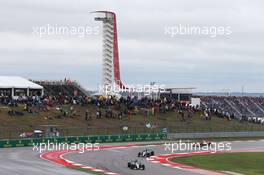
{"points": [[108, 159]]}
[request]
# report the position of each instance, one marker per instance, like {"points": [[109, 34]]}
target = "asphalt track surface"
{"points": [[115, 160], [24, 161]]}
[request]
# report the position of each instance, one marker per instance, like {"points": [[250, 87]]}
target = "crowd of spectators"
{"points": [[126, 107], [65, 93], [112, 107]]}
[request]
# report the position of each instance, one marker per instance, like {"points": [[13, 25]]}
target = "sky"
{"points": [[150, 49]]}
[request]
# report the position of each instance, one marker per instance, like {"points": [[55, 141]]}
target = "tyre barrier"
{"points": [[84, 139]]}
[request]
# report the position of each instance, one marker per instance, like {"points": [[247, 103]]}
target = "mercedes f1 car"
{"points": [[135, 165], [146, 153]]}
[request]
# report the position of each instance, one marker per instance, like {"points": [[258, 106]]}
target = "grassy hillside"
{"points": [[11, 126]]}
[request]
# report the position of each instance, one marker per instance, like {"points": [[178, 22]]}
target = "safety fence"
{"points": [[84, 139], [252, 134], [18, 132], [202, 127]]}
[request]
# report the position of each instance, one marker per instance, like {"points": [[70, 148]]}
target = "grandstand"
{"points": [[62, 87], [237, 106]]}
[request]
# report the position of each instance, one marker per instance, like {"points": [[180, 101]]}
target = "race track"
{"points": [[24, 161], [115, 160]]}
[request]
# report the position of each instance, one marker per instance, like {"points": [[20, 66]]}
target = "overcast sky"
{"points": [[147, 52]]}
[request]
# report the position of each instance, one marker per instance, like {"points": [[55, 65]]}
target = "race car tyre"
{"points": [[152, 153]]}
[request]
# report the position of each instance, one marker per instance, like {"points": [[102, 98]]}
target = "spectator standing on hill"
{"points": [[86, 114], [182, 116], [98, 114], [153, 111]]}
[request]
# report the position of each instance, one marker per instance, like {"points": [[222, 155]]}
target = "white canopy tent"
{"points": [[16, 82], [181, 94]]}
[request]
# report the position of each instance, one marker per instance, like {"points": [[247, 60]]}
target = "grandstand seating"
{"points": [[65, 88], [237, 106]]}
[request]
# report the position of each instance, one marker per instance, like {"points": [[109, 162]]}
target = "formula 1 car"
{"points": [[135, 165], [202, 144], [146, 153]]}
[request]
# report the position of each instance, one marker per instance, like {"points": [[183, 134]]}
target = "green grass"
{"points": [[244, 163]]}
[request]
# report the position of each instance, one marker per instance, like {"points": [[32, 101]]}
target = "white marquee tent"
{"points": [[16, 82]]}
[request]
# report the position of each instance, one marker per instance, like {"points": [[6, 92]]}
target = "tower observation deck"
{"points": [[110, 67]]}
